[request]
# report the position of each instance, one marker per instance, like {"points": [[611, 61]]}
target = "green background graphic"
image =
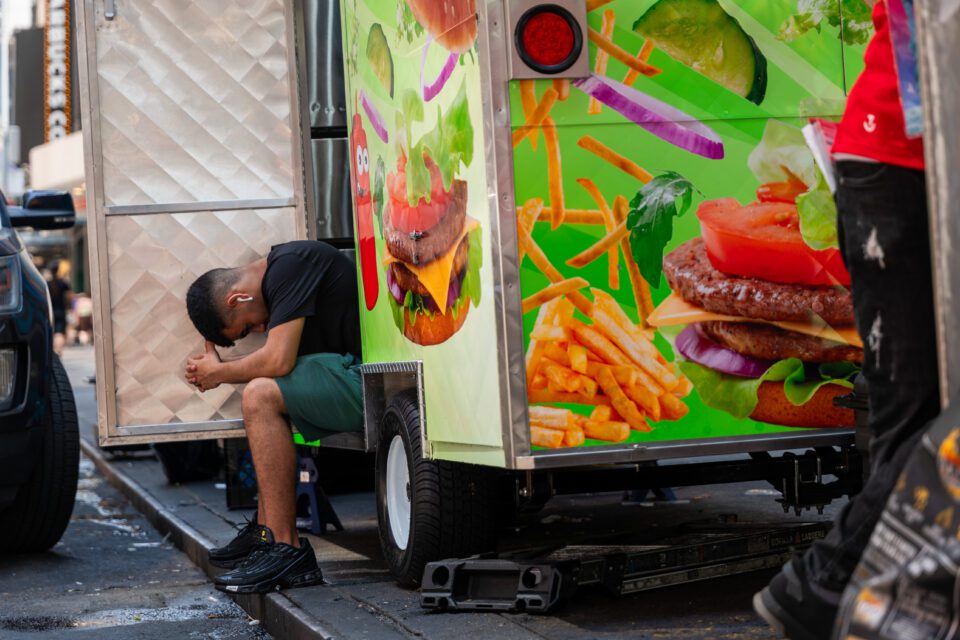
{"points": [[808, 76]]}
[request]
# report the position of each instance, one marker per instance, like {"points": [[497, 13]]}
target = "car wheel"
{"points": [[40, 514], [428, 510]]}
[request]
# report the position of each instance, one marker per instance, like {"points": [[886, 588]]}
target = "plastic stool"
{"points": [[314, 511]]}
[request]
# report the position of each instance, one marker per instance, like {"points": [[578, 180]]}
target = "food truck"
{"points": [[591, 237]]}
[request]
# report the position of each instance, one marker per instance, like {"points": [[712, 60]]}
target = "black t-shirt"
{"points": [[312, 280]]}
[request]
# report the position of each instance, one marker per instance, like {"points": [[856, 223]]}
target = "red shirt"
{"points": [[872, 124]]}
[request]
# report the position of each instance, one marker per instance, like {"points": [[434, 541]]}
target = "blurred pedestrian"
{"points": [[60, 298]]}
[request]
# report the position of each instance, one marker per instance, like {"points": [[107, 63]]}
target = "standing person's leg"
{"points": [[274, 457], [59, 334], [887, 248], [885, 243]]}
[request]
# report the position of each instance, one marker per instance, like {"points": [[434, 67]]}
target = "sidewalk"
{"points": [[362, 601]]}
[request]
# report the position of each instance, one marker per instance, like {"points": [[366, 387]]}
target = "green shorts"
{"points": [[324, 395]]}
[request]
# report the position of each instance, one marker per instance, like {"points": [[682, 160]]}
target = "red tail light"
{"points": [[548, 38]]}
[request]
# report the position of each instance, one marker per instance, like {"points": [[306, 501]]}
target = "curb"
{"points": [[277, 614]]}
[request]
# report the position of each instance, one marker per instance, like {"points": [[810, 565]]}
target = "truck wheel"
{"points": [[40, 514], [427, 510]]}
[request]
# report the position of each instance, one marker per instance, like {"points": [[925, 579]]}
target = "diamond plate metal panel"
{"points": [[195, 102], [153, 260]]}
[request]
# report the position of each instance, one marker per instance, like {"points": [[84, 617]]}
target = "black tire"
{"points": [[453, 506], [40, 514]]}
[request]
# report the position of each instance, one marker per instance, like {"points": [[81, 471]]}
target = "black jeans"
{"points": [[884, 240]]}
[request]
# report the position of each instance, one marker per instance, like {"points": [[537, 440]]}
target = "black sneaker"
{"points": [[273, 565], [250, 535], [793, 609]]}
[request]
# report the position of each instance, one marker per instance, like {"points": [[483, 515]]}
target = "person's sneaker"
{"points": [[250, 535], [792, 608], [273, 565]]}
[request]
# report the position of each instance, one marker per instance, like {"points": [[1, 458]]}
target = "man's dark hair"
{"points": [[205, 303]]}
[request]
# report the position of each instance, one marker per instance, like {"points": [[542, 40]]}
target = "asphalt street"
{"points": [[112, 576]]}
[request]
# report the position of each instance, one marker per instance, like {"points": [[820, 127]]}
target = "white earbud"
{"points": [[245, 299]]}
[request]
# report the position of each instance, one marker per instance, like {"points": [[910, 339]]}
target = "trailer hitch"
{"points": [[541, 579], [802, 483]]}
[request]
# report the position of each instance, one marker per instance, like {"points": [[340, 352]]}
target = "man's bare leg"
{"points": [[274, 457]]}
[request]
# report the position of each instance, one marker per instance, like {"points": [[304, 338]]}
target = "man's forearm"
{"points": [[258, 364]]}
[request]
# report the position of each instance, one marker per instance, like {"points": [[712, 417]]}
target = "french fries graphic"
{"points": [[642, 56], [554, 290], [528, 96], [600, 64], [634, 62], [609, 221], [536, 116], [596, 4], [584, 350], [554, 171], [608, 363], [604, 152]]}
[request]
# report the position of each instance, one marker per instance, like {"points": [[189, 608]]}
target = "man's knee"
{"points": [[261, 394]]}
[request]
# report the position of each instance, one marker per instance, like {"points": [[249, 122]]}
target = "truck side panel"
{"points": [[418, 138], [711, 109]]}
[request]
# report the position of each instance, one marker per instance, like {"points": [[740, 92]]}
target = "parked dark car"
{"points": [[39, 439]]}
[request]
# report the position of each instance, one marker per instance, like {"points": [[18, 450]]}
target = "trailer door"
{"points": [[194, 160]]}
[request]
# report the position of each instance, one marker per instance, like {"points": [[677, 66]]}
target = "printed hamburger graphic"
{"points": [[433, 249], [768, 312]]}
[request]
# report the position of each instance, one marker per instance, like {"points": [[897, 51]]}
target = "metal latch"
{"points": [[110, 9]]}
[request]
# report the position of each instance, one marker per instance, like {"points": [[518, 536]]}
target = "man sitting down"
{"points": [[304, 296]]}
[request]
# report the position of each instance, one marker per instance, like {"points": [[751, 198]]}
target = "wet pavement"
{"points": [[113, 576]]}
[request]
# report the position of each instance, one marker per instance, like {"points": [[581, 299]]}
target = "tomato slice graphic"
{"points": [[762, 240]]}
